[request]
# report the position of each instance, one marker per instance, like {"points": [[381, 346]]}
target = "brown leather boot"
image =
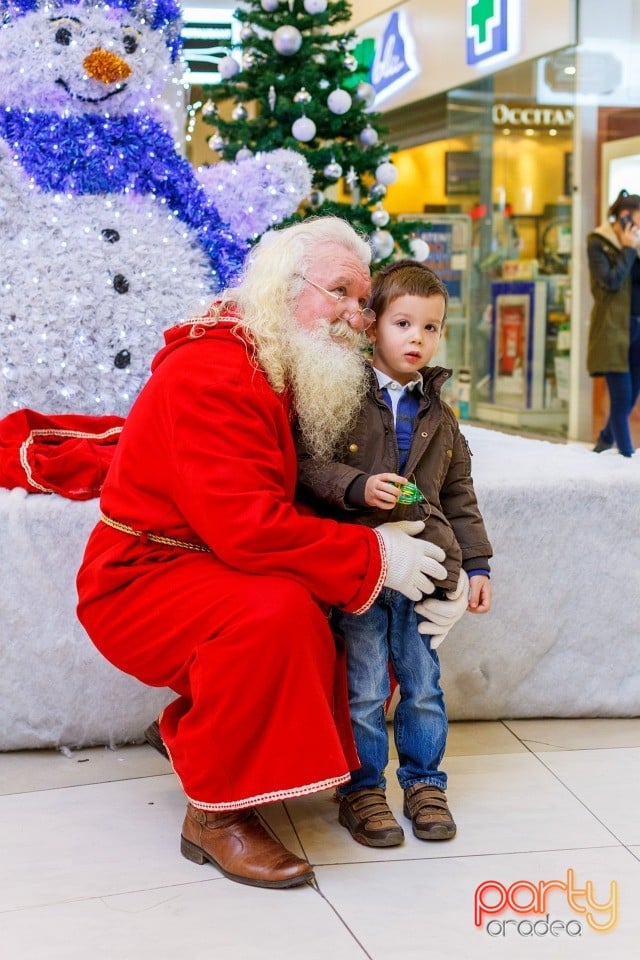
{"points": [[240, 847], [426, 807], [152, 736], [367, 817]]}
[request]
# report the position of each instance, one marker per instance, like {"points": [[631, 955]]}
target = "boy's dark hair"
{"points": [[405, 278], [629, 202]]}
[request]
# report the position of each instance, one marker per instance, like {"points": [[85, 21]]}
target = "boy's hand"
{"points": [[479, 594], [381, 491]]}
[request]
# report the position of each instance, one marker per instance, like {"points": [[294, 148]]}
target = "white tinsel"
{"points": [[256, 193]]}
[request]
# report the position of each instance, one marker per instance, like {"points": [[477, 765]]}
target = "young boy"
{"points": [[404, 432]]}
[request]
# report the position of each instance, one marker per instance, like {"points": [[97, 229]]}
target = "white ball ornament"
{"points": [[315, 6], [380, 217], [287, 40], [269, 6], [339, 101], [303, 129], [386, 173], [228, 67], [382, 244], [420, 249], [244, 154], [368, 136]]}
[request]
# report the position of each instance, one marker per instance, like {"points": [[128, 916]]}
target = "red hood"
{"points": [[184, 333]]}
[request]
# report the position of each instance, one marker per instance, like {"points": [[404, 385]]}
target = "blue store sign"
{"points": [[395, 64]]}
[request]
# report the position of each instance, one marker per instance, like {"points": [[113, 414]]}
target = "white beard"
{"points": [[326, 372]]}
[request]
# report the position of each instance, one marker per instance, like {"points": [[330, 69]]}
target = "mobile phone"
{"points": [[626, 220]]}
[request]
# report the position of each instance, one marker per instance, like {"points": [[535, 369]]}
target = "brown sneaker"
{"points": [[369, 820], [426, 807], [238, 844]]}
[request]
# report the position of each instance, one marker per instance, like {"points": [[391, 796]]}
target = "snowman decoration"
{"points": [[107, 236]]}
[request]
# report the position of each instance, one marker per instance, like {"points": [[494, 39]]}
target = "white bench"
{"points": [[562, 640]]}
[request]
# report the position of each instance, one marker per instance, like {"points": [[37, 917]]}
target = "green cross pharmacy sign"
{"points": [[487, 29]]}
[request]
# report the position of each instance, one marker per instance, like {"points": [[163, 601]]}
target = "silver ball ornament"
{"points": [[382, 244], [208, 108], [246, 33], [316, 199], [350, 63], [380, 217], [269, 6], [287, 40], [366, 93], [244, 153], [228, 67], [339, 101], [240, 112], [420, 249], [333, 170], [315, 6], [386, 173], [303, 129], [302, 96], [377, 191], [217, 143], [368, 136]]}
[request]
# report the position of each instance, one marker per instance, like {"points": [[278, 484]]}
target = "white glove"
{"points": [[441, 615], [410, 562]]}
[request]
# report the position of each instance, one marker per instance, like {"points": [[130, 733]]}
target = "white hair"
{"points": [[272, 280]]}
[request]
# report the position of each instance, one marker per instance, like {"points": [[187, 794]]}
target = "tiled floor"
{"points": [[90, 866]]}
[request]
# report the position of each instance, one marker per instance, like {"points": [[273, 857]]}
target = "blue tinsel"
{"points": [[97, 155]]}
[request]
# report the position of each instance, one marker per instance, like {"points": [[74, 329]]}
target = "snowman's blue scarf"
{"points": [[97, 155]]}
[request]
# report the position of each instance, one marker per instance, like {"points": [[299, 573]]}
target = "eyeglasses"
{"points": [[367, 316]]}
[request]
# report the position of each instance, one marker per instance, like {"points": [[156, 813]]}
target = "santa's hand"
{"points": [[410, 563], [441, 615]]}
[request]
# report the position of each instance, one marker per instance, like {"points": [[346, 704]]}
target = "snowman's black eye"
{"points": [[130, 43], [63, 36]]}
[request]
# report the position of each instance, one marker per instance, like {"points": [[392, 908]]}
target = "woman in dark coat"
{"points": [[614, 332]]}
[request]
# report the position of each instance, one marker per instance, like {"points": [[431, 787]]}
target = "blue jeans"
{"points": [[623, 393], [388, 631]]}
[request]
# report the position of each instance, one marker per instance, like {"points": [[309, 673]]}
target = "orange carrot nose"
{"points": [[105, 67]]}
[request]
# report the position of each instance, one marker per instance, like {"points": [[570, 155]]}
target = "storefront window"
{"points": [[495, 190]]}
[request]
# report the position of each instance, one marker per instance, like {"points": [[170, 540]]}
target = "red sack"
{"points": [[67, 453]]}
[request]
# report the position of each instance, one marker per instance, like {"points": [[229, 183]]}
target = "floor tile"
{"points": [[501, 803], [26, 770], [421, 909], [199, 921], [469, 737], [607, 782], [588, 734], [92, 841]]}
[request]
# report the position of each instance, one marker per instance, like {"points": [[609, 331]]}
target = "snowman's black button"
{"points": [[63, 36], [120, 283], [110, 236], [122, 359]]}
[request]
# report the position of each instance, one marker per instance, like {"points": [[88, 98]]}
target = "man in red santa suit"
{"points": [[205, 577]]}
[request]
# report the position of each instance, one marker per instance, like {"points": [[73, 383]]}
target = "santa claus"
{"points": [[205, 577]]}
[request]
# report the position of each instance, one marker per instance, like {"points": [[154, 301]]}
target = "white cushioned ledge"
{"points": [[562, 640]]}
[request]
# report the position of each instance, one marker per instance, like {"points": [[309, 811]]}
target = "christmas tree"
{"points": [[297, 83]]}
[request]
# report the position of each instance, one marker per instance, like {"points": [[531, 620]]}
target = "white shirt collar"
{"points": [[384, 380]]}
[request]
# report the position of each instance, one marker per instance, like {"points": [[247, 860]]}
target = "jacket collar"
{"points": [[606, 231]]}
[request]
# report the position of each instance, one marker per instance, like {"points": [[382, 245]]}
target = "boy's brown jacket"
{"points": [[439, 463]]}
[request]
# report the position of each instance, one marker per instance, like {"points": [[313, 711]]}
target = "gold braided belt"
{"points": [[153, 537]]}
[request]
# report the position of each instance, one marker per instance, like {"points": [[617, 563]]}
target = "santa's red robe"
{"points": [[240, 633]]}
